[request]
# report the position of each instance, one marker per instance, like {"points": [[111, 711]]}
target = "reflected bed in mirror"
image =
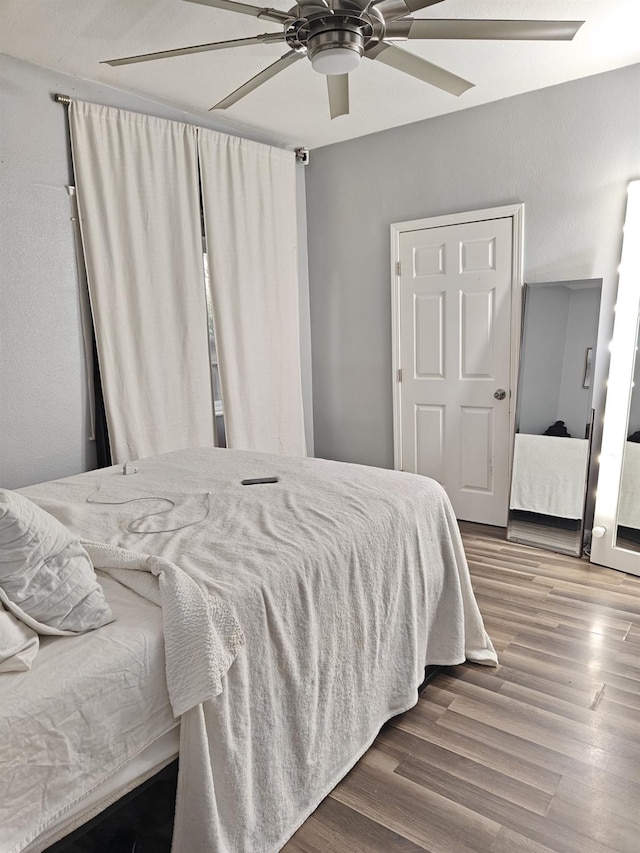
{"points": [[554, 415]]}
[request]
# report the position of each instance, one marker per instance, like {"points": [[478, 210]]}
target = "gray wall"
{"points": [[543, 346], [567, 152], [43, 402], [574, 401]]}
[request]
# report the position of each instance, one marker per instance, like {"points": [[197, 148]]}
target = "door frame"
{"points": [[516, 213]]}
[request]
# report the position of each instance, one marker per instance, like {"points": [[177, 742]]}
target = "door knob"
{"points": [[500, 394]]}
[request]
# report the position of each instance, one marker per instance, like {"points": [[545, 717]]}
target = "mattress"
{"points": [[72, 727], [143, 766]]}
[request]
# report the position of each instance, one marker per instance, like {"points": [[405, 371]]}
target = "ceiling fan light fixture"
{"points": [[335, 60], [337, 51]]}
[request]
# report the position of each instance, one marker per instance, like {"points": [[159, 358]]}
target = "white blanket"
{"points": [[89, 705], [549, 475], [201, 634], [345, 581]]}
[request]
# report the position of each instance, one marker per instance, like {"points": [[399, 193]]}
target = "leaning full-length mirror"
{"points": [[553, 416]]}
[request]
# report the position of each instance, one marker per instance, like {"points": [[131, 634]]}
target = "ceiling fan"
{"points": [[336, 34]]}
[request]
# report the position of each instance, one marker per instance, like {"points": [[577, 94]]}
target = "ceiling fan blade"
{"points": [[266, 38], [418, 67], [245, 9], [338, 88], [260, 78], [392, 9], [500, 30]]}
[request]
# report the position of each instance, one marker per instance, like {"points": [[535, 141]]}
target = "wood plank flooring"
{"points": [[541, 755]]}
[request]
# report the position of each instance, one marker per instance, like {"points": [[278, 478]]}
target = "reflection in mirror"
{"points": [[628, 529], [553, 418]]}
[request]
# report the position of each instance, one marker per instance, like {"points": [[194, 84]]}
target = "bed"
{"points": [[266, 632]]}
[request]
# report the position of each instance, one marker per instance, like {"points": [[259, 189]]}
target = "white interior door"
{"points": [[454, 346]]}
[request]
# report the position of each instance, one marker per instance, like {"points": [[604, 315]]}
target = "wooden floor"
{"points": [[541, 754]]}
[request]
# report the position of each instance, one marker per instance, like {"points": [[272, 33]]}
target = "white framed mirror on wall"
{"points": [[616, 528], [554, 414]]}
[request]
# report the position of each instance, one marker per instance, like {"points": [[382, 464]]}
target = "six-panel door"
{"points": [[455, 328]]}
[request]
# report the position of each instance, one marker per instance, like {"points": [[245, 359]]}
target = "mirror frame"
{"points": [[571, 543], [604, 550]]}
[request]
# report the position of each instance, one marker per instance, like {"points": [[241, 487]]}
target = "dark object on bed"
{"points": [[558, 429]]}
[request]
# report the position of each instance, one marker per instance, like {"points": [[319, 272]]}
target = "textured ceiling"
{"points": [[73, 36]]}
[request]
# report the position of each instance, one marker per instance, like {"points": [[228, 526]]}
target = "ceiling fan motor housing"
{"points": [[334, 39], [342, 38]]}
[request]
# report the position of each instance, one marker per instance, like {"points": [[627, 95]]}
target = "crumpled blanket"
{"points": [[202, 636]]}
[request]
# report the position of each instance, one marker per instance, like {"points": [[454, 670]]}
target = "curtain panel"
{"points": [[138, 200], [249, 201]]}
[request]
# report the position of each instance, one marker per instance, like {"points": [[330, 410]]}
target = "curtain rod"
{"points": [[302, 154]]}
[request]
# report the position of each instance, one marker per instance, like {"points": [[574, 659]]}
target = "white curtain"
{"points": [[138, 199], [249, 203]]}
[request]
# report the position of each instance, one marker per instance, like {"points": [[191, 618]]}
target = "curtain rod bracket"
{"points": [[302, 156], [62, 99]]}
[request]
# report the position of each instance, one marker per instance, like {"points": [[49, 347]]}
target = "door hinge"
{"points": [[399, 374], [398, 268]]}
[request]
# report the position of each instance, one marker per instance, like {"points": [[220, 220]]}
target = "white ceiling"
{"points": [[73, 36]]}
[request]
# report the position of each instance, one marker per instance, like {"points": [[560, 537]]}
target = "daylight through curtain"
{"points": [[249, 201], [138, 199]]}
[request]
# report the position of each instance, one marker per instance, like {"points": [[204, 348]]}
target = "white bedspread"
{"points": [[345, 581], [60, 737], [549, 475]]}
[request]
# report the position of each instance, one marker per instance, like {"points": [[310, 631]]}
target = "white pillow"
{"points": [[18, 643], [46, 577]]}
